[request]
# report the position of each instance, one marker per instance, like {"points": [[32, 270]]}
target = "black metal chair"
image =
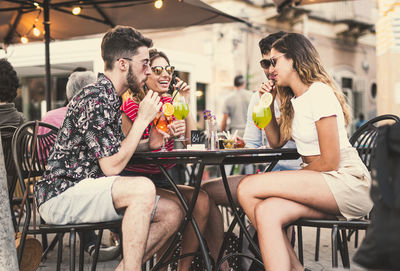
{"points": [[22, 149], [7, 133], [364, 140]]}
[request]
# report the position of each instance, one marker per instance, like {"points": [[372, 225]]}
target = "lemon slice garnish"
{"points": [[168, 109], [266, 99]]}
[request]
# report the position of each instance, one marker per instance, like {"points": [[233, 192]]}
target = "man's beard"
{"points": [[133, 82]]}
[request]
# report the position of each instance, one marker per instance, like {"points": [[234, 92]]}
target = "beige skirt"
{"points": [[350, 185]]}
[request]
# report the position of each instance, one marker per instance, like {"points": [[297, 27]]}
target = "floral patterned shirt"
{"points": [[92, 129]]}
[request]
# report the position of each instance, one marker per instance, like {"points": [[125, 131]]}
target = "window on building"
{"points": [[201, 90]]}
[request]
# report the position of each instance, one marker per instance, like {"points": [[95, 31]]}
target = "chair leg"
{"points": [[50, 247], [300, 244], [317, 241], [344, 252], [334, 246], [356, 239], [60, 237], [72, 243], [81, 250], [96, 252]]}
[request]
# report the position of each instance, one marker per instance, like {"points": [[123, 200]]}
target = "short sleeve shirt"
{"points": [[91, 130], [235, 105], [317, 102], [131, 108]]}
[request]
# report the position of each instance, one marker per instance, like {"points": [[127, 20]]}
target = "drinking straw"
{"points": [[176, 92], [234, 135]]}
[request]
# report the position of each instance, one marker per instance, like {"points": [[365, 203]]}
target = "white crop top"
{"points": [[317, 102]]}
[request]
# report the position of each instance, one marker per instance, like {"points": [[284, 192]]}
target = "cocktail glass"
{"points": [[161, 122], [181, 110], [261, 117]]}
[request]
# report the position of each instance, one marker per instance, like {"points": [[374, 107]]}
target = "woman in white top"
{"points": [[333, 180]]}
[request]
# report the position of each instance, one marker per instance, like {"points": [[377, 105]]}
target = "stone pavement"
{"points": [[324, 262]]}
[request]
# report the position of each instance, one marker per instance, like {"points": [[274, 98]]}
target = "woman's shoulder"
{"points": [[320, 86], [129, 104]]}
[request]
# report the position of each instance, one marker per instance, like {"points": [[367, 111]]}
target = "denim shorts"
{"points": [[89, 201]]}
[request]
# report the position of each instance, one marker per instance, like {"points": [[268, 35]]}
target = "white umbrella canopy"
{"points": [[54, 19]]}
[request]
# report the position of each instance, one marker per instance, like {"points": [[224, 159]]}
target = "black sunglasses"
{"points": [[265, 63], [159, 69]]}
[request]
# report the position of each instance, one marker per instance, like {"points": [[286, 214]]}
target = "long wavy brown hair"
{"points": [[139, 94], [307, 63]]}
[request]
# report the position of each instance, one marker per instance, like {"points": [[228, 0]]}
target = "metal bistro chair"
{"points": [[22, 148], [364, 140], [7, 133]]}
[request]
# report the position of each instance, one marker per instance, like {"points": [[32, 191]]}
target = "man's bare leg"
{"points": [[166, 221], [137, 196]]}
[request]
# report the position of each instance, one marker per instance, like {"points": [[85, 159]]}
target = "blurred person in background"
{"points": [[361, 120], [9, 84], [235, 107], [76, 81]]}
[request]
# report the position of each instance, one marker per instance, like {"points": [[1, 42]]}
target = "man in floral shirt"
{"points": [[81, 182]]}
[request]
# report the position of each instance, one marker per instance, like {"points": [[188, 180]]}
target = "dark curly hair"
{"points": [[9, 82]]}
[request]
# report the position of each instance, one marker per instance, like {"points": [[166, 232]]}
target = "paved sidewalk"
{"points": [[324, 262]]}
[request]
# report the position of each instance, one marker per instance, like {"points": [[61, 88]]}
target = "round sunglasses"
{"points": [[159, 69]]}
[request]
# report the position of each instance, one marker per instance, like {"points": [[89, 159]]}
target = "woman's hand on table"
{"points": [[156, 138], [177, 128]]}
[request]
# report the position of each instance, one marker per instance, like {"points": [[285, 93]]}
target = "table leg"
{"points": [[237, 219], [189, 216]]}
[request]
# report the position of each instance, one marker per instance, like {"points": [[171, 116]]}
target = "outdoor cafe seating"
{"points": [[30, 162]]}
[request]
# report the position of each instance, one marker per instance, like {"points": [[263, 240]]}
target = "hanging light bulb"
{"points": [[76, 10], [36, 31], [158, 4], [36, 4], [24, 39]]}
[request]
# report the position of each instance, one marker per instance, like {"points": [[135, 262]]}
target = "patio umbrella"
{"points": [[280, 4], [54, 18]]}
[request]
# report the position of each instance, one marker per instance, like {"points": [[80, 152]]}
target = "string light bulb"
{"points": [[158, 4], [76, 10], [36, 31], [24, 39]]}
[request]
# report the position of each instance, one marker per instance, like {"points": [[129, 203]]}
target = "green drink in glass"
{"points": [[262, 114], [181, 110]]}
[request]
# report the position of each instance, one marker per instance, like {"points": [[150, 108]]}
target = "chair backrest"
{"points": [[22, 144], [364, 138], [7, 133]]}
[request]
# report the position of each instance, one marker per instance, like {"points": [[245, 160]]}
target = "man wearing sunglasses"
{"points": [[81, 183]]}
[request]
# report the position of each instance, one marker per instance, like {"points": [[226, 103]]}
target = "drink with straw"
{"points": [[181, 110], [262, 113], [162, 120]]}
